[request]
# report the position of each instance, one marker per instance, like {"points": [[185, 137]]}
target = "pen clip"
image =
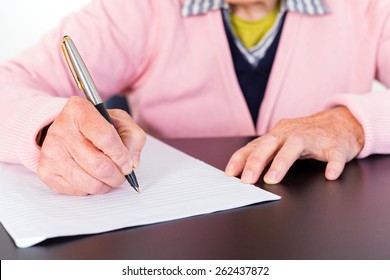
{"points": [[69, 62]]}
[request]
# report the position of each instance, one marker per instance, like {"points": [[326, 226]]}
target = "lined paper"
{"points": [[173, 185]]}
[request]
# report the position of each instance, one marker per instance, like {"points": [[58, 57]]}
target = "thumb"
{"points": [[336, 164]]}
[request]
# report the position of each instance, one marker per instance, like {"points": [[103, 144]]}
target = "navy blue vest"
{"points": [[253, 80]]}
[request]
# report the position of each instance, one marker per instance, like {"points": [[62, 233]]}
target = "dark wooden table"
{"points": [[315, 219]]}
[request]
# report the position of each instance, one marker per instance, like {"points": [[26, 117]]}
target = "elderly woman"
{"points": [[296, 72]]}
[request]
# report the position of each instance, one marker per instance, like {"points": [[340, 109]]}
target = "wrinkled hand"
{"points": [[333, 136], [84, 154]]}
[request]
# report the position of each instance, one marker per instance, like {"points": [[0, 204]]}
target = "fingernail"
{"points": [[128, 167], [271, 177], [229, 170], [247, 176], [136, 157]]}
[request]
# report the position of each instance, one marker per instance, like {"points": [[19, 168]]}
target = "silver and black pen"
{"points": [[84, 82]]}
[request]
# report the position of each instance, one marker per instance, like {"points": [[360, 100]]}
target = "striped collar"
{"points": [[307, 7]]}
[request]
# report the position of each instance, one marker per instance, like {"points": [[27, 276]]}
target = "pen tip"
{"points": [[133, 181]]}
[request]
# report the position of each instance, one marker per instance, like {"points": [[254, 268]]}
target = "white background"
{"points": [[23, 22]]}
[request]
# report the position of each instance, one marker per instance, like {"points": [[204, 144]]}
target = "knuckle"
{"points": [[295, 140], [281, 163], [77, 107], [270, 138], [282, 157], [110, 138], [113, 144], [251, 145], [75, 102], [255, 158], [104, 168], [283, 122]]}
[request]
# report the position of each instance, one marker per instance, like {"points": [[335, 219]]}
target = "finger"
{"points": [[70, 179], [133, 137], [284, 159], [104, 137], [237, 160], [60, 185], [336, 164], [265, 149], [96, 163]]}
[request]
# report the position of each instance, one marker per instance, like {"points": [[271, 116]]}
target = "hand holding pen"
{"points": [[84, 154]]}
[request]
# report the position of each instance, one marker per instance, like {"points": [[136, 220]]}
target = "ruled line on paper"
{"points": [[173, 185]]}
